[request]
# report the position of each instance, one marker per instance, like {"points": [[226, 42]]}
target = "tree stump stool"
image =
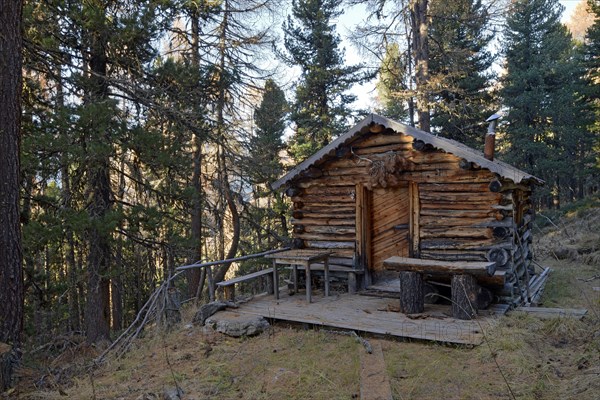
{"points": [[412, 293], [465, 291]]}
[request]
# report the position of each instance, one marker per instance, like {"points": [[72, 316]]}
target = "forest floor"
{"points": [[523, 357]]}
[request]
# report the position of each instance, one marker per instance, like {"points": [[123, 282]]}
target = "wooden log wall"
{"points": [[464, 212]]}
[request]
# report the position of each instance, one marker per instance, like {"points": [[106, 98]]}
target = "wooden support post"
{"points": [[295, 271], [352, 283], [464, 296], [412, 300], [308, 283], [326, 274], [275, 280], [270, 289]]}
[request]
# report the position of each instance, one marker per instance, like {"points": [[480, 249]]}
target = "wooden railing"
{"points": [[208, 265]]}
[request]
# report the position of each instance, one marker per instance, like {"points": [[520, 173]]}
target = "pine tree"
{"points": [[265, 145], [591, 64], [545, 134], [459, 63], [320, 110], [591, 55], [392, 84]]}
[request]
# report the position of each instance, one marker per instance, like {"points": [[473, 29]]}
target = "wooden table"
{"points": [[304, 258]]}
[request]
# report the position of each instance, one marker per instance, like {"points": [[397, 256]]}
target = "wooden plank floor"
{"points": [[368, 314]]}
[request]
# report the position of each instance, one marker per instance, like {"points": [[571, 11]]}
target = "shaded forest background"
{"points": [[151, 128]]}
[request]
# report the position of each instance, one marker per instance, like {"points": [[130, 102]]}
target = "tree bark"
{"points": [[222, 162], [194, 276], [97, 315], [412, 293], [11, 271], [465, 291], [420, 47]]}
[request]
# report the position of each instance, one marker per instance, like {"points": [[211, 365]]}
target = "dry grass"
{"points": [[285, 363], [541, 359], [574, 237]]}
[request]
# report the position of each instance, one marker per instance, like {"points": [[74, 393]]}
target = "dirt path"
{"points": [[374, 380]]}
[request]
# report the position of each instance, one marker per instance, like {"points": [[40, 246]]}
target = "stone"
{"points": [[238, 327], [208, 310], [173, 393]]}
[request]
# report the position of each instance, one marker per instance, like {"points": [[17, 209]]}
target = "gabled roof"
{"points": [[448, 145]]}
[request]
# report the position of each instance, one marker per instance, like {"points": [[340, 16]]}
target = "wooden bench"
{"points": [[464, 288], [350, 272], [229, 285]]}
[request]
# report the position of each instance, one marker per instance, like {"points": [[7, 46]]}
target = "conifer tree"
{"points": [[392, 84], [545, 134], [591, 56], [591, 64], [320, 110], [265, 145], [459, 63]]}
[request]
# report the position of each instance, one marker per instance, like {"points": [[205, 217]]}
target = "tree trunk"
{"points": [[194, 275], [116, 290], [97, 313], [6, 366], [465, 291], [11, 272], [221, 161], [235, 221], [412, 293], [420, 46]]}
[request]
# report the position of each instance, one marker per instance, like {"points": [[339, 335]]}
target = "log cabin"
{"points": [[385, 189]]}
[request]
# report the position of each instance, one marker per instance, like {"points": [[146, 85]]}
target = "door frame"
{"points": [[363, 225]]}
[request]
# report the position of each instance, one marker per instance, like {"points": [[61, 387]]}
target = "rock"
{"points": [[207, 310], [174, 393], [248, 326]]}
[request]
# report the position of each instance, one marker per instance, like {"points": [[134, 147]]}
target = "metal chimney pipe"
{"points": [[490, 137]]}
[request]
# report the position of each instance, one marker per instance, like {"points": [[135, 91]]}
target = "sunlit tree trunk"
{"points": [[420, 47], [221, 159], [195, 276]]}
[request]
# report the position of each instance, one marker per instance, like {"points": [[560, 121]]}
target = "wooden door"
{"points": [[390, 215]]}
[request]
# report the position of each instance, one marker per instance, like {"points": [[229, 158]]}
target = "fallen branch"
{"points": [[593, 278]]}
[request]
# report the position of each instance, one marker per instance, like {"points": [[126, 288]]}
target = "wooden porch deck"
{"points": [[368, 314]]}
